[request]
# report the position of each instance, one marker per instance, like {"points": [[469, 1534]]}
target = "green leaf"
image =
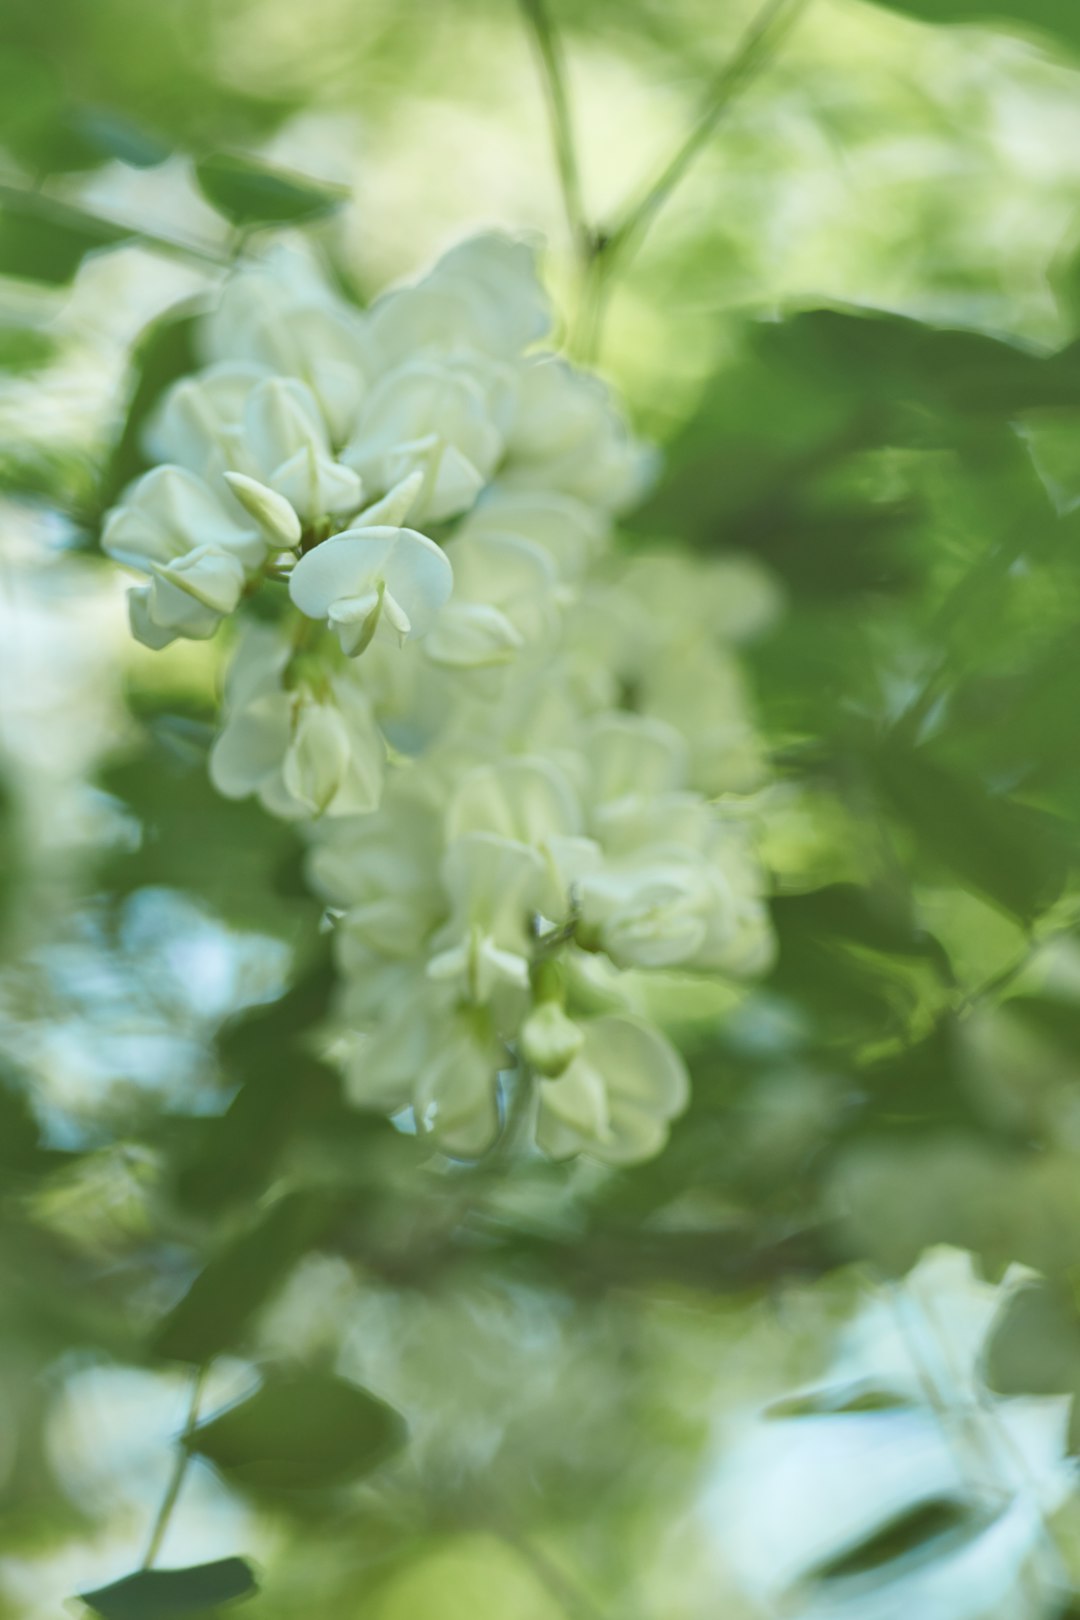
{"points": [[216, 1310], [251, 193], [109, 134], [171, 1594], [1010, 853], [1035, 1349], [45, 240], [164, 352], [1058, 19], [301, 1431]]}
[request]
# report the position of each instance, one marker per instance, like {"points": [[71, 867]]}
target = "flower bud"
{"points": [[550, 1041]]}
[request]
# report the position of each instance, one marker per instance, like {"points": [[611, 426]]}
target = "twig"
{"points": [[172, 1490], [549, 55], [766, 30]]}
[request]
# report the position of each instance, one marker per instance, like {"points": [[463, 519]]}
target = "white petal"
{"points": [[347, 565], [271, 511], [317, 485], [252, 745]]}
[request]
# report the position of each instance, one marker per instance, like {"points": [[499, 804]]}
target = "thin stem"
{"points": [[771, 23], [552, 70], [750, 55], [574, 1602], [172, 1490]]}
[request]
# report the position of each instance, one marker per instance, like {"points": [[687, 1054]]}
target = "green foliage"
{"points": [[45, 240], [217, 1308], [1055, 19], [163, 353], [252, 194], [173, 1594], [905, 1074], [301, 1431]]}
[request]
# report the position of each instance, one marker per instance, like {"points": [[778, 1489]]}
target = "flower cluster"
{"points": [[515, 750]]}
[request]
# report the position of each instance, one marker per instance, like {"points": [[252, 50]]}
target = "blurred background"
{"points": [[850, 331]]}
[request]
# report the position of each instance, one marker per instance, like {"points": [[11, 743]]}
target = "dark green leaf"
{"points": [[44, 240], [172, 1594], [301, 1431], [214, 1314], [251, 193], [1035, 1348], [1059, 20], [164, 353], [1011, 853], [916, 1528]]}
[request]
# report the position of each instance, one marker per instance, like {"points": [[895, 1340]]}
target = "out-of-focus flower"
{"points": [[901, 1485]]}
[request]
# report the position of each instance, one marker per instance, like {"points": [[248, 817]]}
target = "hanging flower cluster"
{"points": [[902, 1486], [507, 740]]}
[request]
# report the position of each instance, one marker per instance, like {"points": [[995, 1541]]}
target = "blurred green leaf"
{"points": [[301, 1431], [25, 348], [171, 1594], [109, 134], [250, 193], [1035, 1346], [1058, 19], [1012, 853], [216, 1310], [233, 862], [45, 240], [165, 352]]}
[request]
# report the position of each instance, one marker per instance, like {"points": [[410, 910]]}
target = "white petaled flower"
{"points": [[617, 1097], [506, 801], [431, 418], [901, 1485], [171, 527], [567, 436], [301, 753], [373, 579], [282, 318], [504, 600], [495, 886]]}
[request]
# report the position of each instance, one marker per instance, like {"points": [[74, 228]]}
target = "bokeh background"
{"points": [[849, 331]]}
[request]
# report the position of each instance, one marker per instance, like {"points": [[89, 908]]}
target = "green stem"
{"points": [[176, 1480], [758, 43], [552, 70]]}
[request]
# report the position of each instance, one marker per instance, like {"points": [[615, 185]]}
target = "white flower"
{"points": [[188, 597], [430, 418], [572, 534], [483, 296], [168, 513], [567, 436], [302, 754], [371, 578], [617, 1097], [234, 418], [495, 887], [171, 527], [282, 318], [504, 599]]}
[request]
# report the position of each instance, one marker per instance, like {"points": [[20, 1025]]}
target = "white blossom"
{"points": [[371, 579], [507, 799]]}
